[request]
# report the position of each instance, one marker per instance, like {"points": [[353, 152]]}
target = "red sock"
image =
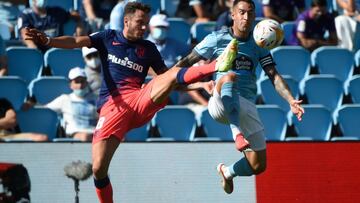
{"points": [[195, 73], [105, 194]]}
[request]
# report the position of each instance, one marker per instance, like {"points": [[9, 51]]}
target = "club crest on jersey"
{"points": [[140, 51], [243, 63]]}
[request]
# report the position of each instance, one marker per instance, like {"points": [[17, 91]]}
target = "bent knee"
{"points": [[259, 168], [99, 172]]}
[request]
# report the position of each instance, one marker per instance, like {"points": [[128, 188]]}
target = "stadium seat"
{"points": [[293, 61], [14, 89], [170, 7], [24, 62], [348, 120], [324, 89], [176, 123], [69, 27], [357, 59], [5, 31], [39, 120], [214, 130], [46, 89], [61, 61], [138, 134], [315, 125], [154, 4], [65, 4], [354, 89], [288, 28], [274, 120], [200, 30], [180, 30], [271, 96], [334, 60]]}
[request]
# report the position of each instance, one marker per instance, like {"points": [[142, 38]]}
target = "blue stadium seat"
{"points": [[138, 134], [69, 27], [65, 4], [61, 61], [357, 59], [324, 89], [176, 123], [293, 61], [24, 62], [274, 120], [39, 120], [170, 7], [271, 96], [200, 30], [354, 89], [46, 89], [348, 119], [288, 28], [14, 89], [180, 30], [154, 4], [315, 125], [214, 130], [5, 31], [334, 60]]}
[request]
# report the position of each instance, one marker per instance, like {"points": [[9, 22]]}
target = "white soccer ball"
{"points": [[268, 34]]}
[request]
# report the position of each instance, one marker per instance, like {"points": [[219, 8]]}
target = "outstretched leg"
{"points": [[102, 153], [166, 82]]}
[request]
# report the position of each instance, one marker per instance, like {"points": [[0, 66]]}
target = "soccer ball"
{"points": [[268, 34]]}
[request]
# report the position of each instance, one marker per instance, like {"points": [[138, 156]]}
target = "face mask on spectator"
{"points": [[159, 33], [39, 3], [82, 92], [93, 63]]}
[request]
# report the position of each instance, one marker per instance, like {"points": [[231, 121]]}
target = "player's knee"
{"points": [[259, 168], [99, 172]]}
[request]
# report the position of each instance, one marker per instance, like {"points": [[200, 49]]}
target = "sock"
{"points": [[241, 168], [104, 190], [231, 103], [195, 73]]}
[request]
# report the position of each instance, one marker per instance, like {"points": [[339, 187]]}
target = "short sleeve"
{"points": [[207, 46], [57, 104], [97, 39]]}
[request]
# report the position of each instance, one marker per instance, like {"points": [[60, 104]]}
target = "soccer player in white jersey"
{"points": [[233, 99]]}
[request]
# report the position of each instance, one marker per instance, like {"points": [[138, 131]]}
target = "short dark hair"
{"points": [[320, 3], [131, 8], [247, 1]]}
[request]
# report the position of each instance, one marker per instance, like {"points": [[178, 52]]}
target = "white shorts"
{"points": [[250, 122]]}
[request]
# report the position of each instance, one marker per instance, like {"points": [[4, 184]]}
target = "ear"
{"points": [[126, 21]]}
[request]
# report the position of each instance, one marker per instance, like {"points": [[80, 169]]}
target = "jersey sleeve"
{"points": [[265, 58], [23, 21], [207, 46], [57, 103], [97, 39]]}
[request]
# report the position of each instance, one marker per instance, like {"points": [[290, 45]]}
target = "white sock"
{"points": [[227, 173], [235, 130]]}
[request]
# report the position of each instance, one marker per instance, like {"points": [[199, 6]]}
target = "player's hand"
{"points": [[36, 36], [297, 109], [209, 86]]}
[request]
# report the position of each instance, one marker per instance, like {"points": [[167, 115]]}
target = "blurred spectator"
{"points": [[78, 108], [200, 10], [282, 10], [348, 24], [225, 20], [92, 68], [311, 26], [9, 12], [117, 15], [9, 128], [98, 12], [3, 58], [47, 19], [170, 49]]}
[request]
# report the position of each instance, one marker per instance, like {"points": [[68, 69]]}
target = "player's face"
{"points": [[136, 25], [243, 15]]}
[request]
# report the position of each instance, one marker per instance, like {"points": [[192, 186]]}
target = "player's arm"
{"points": [[283, 89], [66, 42]]}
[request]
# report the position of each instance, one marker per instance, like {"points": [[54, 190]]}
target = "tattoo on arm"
{"points": [[279, 83], [189, 60]]}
